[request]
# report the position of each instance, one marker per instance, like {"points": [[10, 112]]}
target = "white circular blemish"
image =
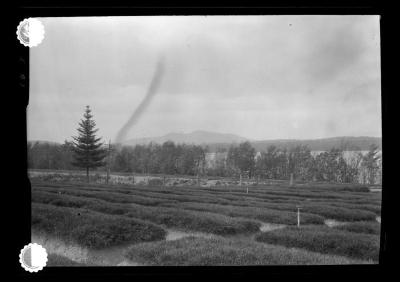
{"points": [[30, 32], [33, 257]]}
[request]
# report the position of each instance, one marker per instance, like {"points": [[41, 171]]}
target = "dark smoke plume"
{"points": [[152, 90]]}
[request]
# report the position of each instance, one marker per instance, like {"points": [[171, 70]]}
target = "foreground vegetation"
{"points": [[366, 227], [57, 260], [325, 240], [220, 251], [92, 229], [99, 216], [170, 217]]}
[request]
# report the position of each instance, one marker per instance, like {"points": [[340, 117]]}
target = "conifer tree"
{"points": [[88, 151]]}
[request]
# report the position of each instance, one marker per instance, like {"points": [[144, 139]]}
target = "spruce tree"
{"points": [[88, 151]]}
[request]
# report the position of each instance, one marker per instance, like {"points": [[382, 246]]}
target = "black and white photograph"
{"points": [[220, 140]]}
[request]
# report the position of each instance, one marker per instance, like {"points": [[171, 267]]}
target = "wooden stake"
{"points": [[108, 161], [298, 217], [291, 179]]}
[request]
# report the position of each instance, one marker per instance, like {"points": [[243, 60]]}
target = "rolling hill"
{"points": [[216, 141], [198, 137]]}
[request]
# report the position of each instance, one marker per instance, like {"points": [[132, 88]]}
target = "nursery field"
{"points": [[87, 224]]}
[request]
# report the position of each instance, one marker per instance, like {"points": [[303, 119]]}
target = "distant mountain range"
{"points": [[216, 141], [346, 143], [198, 137]]}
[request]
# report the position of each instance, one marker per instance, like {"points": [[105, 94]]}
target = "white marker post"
{"points": [[108, 161], [298, 216], [291, 180]]}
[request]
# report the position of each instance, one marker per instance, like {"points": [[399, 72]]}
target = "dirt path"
{"points": [[375, 190], [113, 256], [110, 257], [334, 223], [266, 227], [177, 234]]}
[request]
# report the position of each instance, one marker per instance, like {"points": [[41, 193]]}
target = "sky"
{"points": [[260, 77]]}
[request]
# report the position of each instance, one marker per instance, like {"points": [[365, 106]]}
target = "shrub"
{"points": [[325, 240], [196, 221], [171, 217], [366, 227], [92, 229], [221, 251], [273, 204], [107, 196], [354, 188], [342, 214], [262, 214], [155, 182]]}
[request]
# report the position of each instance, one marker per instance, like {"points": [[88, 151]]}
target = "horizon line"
{"points": [[246, 139]]}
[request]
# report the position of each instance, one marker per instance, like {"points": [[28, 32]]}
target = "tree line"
{"points": [[331, 166], [88, 152], [183, 159]]}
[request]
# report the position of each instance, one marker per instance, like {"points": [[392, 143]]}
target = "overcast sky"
{"points": [[260, 77]]}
